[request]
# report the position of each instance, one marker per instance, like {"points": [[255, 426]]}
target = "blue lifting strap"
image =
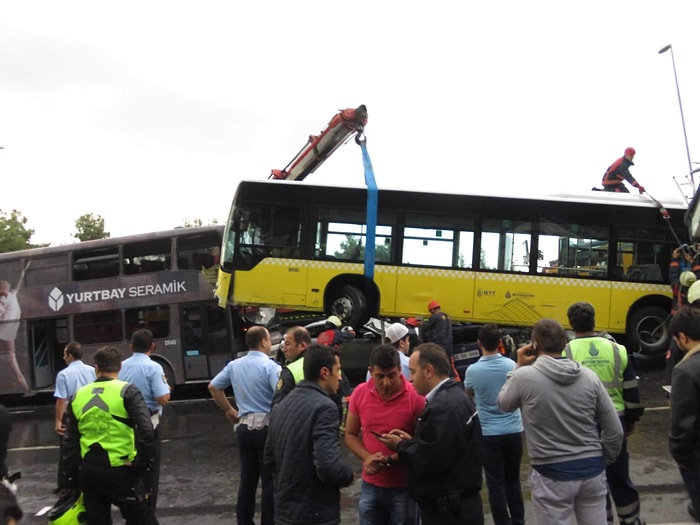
{"points": [[372, 200]]}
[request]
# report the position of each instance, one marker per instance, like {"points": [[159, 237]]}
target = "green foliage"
{"points": [[90, 227], [192, 223], [14, 234], [353, 250]]}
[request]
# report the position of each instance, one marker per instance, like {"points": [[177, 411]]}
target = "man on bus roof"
{"points": [[619, 171]]}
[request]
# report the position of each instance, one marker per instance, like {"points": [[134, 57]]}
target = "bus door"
{"points": [[206, 340], [47, 338]]}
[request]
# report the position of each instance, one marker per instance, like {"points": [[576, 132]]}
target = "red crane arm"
{"points": [[321, 146]]}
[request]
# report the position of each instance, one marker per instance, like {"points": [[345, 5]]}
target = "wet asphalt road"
{"points": [[200, 461]]}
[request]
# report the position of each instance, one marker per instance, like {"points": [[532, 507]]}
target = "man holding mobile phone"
{"points": [[443, 456], [571, 425], [385, 402]]}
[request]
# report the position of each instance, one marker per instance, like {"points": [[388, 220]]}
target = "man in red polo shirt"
{"points": [[385, 402]]}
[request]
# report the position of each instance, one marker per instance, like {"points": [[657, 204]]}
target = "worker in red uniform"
{"points": [[618, 172]]}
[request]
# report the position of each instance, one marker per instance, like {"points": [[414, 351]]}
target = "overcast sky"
{"points": [[148, 113]]}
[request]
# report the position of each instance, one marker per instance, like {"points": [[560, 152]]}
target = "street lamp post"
{"points": [[680, 106]]}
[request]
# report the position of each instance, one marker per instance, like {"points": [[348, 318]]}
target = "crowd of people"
{"points": [[425, 438]]}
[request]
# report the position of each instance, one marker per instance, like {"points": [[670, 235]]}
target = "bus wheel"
{"points": [[648, 332], [350, 305], [169, 374]]}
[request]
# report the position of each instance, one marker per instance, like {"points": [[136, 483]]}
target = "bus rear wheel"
{"points": [[350, 305], [169, 374], [648, 333]]}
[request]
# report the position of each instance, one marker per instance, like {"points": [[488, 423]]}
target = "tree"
{"points": [[14, 234], [90, 227], [351, 249], [187, 223]]}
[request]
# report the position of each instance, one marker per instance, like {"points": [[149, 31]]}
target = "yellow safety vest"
{"points": [[296, 367], [607, 359], [102, 418]]}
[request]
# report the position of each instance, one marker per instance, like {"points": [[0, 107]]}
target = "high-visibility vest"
{"points": [[296, 367], [607, 359], [102, 418]]}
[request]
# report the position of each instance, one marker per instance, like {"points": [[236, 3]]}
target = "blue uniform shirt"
{"points": [[69, 380], [254, 381], [486, 378], [148, 376]]}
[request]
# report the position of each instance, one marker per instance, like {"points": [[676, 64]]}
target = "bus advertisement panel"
{"points": [[99, 292]]}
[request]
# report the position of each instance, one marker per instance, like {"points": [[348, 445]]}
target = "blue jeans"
{"points": [[251, 444], [691, 478], [383, 506], [502, 455]]}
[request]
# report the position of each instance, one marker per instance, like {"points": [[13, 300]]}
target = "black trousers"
{"points": [[622, 490], [453, 510], [151, 478], [251, 444], [103, 487]]}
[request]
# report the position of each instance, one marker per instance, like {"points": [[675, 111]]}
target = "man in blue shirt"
{"points": [[254, 382], [502, 432], [148, 376], [69, 380]]}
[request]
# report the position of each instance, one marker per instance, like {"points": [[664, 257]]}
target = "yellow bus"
{"points": [[485, 258]]}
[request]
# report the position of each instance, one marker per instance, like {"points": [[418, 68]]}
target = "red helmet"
{"points": [[630, 151], [433, 304], [412, 321]]}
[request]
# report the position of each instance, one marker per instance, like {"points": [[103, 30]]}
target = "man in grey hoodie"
{"points": [[571, 426]]}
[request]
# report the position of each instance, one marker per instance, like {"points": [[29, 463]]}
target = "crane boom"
{"points": [[321, 146]]}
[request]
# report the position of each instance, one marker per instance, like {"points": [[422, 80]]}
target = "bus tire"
{"points": [[350, 304], [648, 333], [169, 374]]}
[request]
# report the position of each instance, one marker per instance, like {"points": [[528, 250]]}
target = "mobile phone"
{"points": [[375, 434]]}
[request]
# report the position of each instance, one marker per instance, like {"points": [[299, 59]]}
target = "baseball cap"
{"points": [[396, 332]]}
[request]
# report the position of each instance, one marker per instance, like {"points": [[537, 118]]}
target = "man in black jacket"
{"points": [[443, 458], [303, 448], [685, 405]]}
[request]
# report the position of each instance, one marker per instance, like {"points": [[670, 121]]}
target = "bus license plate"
{"points": [[471, 354]]}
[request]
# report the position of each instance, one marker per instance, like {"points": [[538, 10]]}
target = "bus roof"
{"points": [[593, 197], [111, 241]]}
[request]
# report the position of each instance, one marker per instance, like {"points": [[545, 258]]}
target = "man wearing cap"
{"points": [[386, 401], [335, 335], [438, 329], [618, 172], [296, 340], [398, 336]]}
